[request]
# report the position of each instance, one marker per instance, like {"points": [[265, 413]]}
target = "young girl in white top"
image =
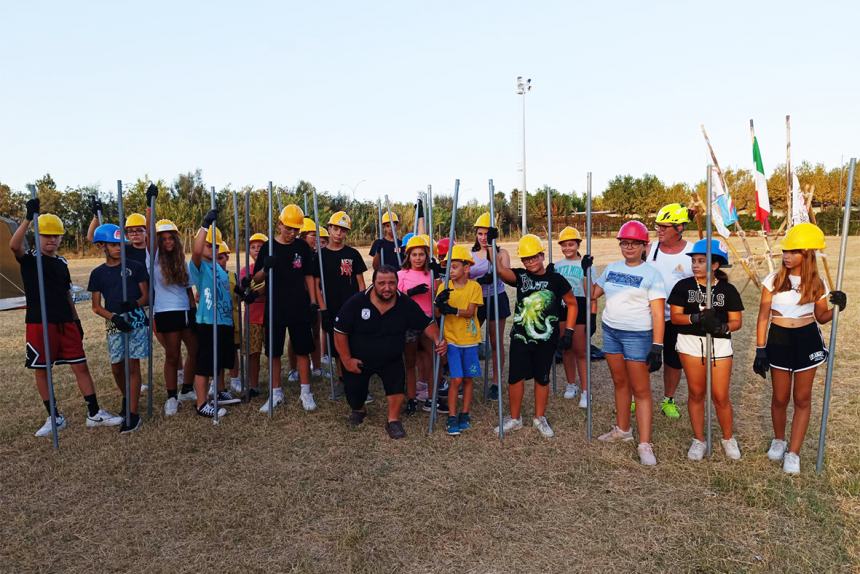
{"points": [[793, 301]]}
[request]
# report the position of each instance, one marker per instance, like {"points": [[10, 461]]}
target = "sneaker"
{"points": [[541, 424], [308, 402], [730, 447], [135, 423], [277, 399], [45, 429], [442, 405], [236, 386], [253, 393], [395, 430], [208, 411], [697, 450], [777, 449], [356, 417], [421, 391], [427, 406], [583, 400], [443, 385], [617, 435], [632, 406], [791, 464], [293, 376], [510, 424], [453, 426], [669, 408], [325, 360], [411, 407], [464, 421], [494, 392], [646, 454], [227, 398], [316, 372], [171, 406], [570, 391], [189, 396], [104, 419]]}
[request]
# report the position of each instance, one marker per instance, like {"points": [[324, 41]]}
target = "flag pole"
{"points": [[764, 227]]}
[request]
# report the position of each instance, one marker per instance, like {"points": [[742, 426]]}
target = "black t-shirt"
{"points": [[538, 309], [688, 294], [138, 254], [387, 248], [374, 338], [341, 268], [58, 282], [291, 298], [107, 280]]}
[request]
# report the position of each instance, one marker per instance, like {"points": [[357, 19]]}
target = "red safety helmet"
{"points": [[634, 230], [442, 248]]}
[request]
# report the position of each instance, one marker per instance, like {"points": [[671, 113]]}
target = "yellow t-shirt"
{"points": [[459, 330]]}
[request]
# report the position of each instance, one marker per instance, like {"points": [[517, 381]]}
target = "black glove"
{"points": [[566, 340], [446, 309], [326, 320], [32, 208], [96, 205], [436, 268], [151, 193], [269, 261], [80, 327], [442, 297], [587, 262], [239, 291], [245, 282], [420, 208], [655, 358], [419, 289], [128, 306], [593, 325], [761, 365], [485, 279], [250, 296], [120, 323], [210, 218], [709, 321], [492, 234], [839, 299]]}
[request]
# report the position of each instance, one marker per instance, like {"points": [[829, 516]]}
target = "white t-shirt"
{"points": [[786, 302], [672, 267], [168, 297], [629, 292]]}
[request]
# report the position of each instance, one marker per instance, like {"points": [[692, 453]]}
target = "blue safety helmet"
{"points": [[406, 239], [718, 250], [107, 233]]}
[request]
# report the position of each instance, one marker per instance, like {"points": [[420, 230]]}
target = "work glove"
{"points": [[419, 289], [566, 340], [129, 306], [446, 309], [96, 205], [151, 193], [250, 296], [655, 357], [839, 299], [587, 262], [492, 234], [239, 291], [32, 208], [120, 323], [326, 320], [761, 365], [593, 325], [709, 321], [436, 268], [210, 218], [245, 282], [80, 327], [442, 297]]}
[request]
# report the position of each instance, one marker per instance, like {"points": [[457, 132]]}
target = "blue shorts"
{"points": [[463, 362], [138, 345], [634, 345]]}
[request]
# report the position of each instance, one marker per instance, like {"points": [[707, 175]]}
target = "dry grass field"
{"points": [[303, 493]]}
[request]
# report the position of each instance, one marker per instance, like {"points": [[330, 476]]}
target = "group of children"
{"points": [[655, 315]]}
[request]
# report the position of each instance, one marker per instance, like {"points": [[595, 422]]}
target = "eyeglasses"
{"points": [[629, 244], [134, 231], [527, 260]]}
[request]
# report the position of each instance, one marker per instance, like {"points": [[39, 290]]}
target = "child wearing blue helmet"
{"points": [[687, 303]]}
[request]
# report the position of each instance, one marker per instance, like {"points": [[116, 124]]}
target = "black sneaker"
{"points": [[227, 398], [442, 406], [395, 430], [135, 423], [494, 392], [253, 394], [357, 417], [411, 407], [427, 406]]}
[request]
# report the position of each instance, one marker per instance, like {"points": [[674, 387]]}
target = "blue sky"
{"points": [[397, 95]]}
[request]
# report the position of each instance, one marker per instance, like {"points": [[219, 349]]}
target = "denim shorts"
{"points": [[634, 345], [463, 362]]}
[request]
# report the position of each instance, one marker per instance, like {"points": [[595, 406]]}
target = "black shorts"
{"points": [[301, 336], [671, 358], [795, 349], [531, 361], [173, 321], [580, 311], [488, 309], [226, 352], [393, 375]]}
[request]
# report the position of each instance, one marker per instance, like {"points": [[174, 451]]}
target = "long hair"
{"points": [[172, 263], [407, 263], [811, 286]]}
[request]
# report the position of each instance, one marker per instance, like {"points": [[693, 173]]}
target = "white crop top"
{"points": [[786, 302]]}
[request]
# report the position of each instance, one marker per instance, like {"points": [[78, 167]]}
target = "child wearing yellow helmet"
{"points": [[383, 249], [255, 300]]}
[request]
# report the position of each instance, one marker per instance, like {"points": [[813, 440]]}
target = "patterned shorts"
{"points": [[138, 345]]}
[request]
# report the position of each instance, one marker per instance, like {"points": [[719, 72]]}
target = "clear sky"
{"points": [[399, 94]]}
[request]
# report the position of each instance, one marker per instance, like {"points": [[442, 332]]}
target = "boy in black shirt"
{"points": [[64, 328], [383, 250]]}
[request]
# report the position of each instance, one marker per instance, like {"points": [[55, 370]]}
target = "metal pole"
{"points": [[442, 320], [49, 369], [122, 267], [270, 302], [709, 339], [590, 395], [415, 220], [212, 229], [333, 396], [280, 201], [393, 232], [549, 251], [242, 371], [246, 340], [789, 183], [380, 234], [150, 301], [497, 368], [432, 273], [831, 357], [306, 201]]}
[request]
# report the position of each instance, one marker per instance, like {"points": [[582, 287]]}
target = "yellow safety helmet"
{"points": [[672, 214], [341, 219], [50, 224], [417, 241], [223, 247], [529, 246], [483, 220], [385, 218], [308, 226], [462, 253], [803, 236], [323, 232], [292, 216], [218, 238], [258, 237], [568, 234], [135, 220], [165, 225]]}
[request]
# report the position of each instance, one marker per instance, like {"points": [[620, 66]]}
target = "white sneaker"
{"points": [[730, 447], [510, 424], [541, 424], [791, 464], [171, 406], [617, 435], [293, 376], [277, 399], [316, 372], [45, 429], [697, 450], [777, 449], [583, 400], [646, 454], [143, 388], [308, 402], [571, 391], [325, 360], [236, 385], [189, 396], [103, 419]]}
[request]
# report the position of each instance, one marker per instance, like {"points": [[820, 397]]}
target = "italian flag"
{"points": [[762, 203]]}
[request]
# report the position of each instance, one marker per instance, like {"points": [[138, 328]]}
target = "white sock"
{"points": [[306, 389], [235, 380]]}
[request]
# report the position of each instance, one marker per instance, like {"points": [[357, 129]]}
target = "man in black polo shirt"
{"points": [[370, 334]]}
